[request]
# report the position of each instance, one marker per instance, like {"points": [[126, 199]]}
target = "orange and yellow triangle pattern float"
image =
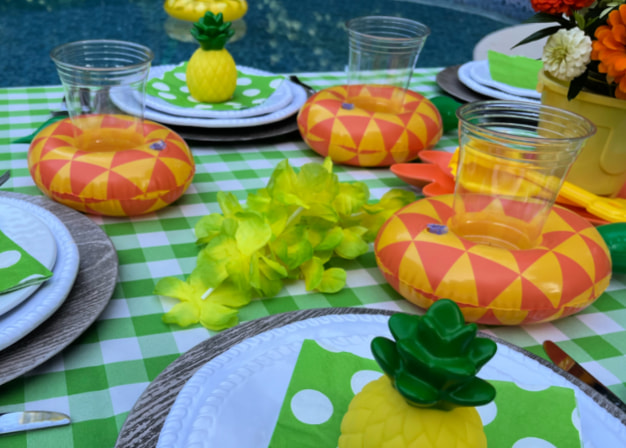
{"points": [[109, 181], [563, 275], [363, 138]]}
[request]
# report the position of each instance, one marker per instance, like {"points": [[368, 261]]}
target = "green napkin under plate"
{"points": [[18, 269], [323, 384], [516, 71], [29, 138], [252, 90]]}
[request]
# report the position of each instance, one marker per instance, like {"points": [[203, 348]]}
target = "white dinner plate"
{"points": [[281, 97], [234, 400], [29, 314], [34, 236], [479, 72], [131, 106], [505, 39], [466, 78]]}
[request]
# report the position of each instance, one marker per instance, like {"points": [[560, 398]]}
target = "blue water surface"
{"points": [[281, 36]]}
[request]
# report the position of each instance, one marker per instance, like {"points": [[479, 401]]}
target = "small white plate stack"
{"points": [[476, 76], [46, 238], [281, 106]]}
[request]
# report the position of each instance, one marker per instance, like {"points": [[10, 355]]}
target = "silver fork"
{"points": [[5, 176]]}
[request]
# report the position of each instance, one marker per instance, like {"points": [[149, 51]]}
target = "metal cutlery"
{"points": [[29, 420], [560, 358], [5, 176]]}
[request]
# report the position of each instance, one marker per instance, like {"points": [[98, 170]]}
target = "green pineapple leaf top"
{"points": [[435, 358], [212, 32]]}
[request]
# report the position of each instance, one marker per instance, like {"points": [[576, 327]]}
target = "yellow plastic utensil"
{"points": [[608, 209]]}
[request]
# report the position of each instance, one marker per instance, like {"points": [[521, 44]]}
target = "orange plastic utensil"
{"points": [[423, 174], [433, 175]]}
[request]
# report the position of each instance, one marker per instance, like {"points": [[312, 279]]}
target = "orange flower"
{"points": [[559, 7], [610, 49]]}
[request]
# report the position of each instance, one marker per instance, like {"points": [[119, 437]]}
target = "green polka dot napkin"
{"points": [[324, 382], [252, 90], [18, 268]]}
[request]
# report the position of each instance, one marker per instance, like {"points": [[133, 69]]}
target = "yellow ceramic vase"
{"points": [[601, 166]]}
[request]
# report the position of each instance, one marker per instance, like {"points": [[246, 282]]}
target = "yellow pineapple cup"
{"points": [[211, 70], [428, 394]]}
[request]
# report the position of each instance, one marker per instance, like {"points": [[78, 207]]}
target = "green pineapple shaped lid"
{"points": [[435, 358], [212, 32]]}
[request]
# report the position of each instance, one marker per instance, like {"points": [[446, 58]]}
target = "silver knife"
{"points": [[29, 420], [5, 176], [567, 363]]}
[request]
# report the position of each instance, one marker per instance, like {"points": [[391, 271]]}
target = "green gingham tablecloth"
{"points": [[97, 379]]}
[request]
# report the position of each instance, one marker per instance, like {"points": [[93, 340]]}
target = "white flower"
{"points": [[567, 53]]}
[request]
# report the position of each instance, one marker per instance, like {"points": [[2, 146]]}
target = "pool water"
{"points": [[280, 36]]}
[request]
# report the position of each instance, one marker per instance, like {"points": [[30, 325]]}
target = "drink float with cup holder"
{"points": [[102, 160], [498, 246], [374, 119]]}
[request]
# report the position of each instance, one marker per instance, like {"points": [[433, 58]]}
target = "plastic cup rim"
{"points": [[425, 29], [524, 105], [149, 55]]}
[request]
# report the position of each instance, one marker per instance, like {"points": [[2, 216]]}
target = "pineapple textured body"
{"points": [[379, 417], [211, 75]]}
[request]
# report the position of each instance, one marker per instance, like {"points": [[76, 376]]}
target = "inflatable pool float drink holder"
{"points": [[374, 120], [99, 137], [497, 246]]}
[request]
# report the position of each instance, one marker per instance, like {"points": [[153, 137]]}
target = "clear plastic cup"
{"points": [[383, 51], [513, 158], [98, 76]]}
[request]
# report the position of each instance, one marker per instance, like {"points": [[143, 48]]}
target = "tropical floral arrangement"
{"points": [[294, 228], [586, 45]]}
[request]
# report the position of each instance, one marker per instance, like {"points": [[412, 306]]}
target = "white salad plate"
{"points": [[34, 236], [29, 314], [234, 400], [465, 76], [281, 97], [504, 41], [479, 71], [130, 105]]}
